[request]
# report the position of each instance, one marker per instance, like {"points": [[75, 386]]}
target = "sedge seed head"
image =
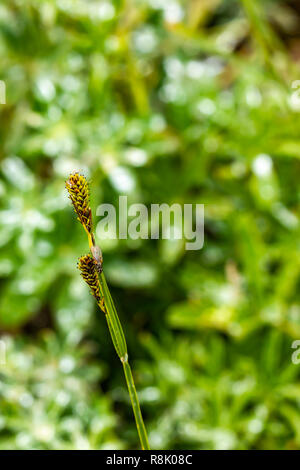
{"points": [[79, 193], [87, 266]]}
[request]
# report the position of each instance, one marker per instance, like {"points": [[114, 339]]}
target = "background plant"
{"points": [[163, 101]]}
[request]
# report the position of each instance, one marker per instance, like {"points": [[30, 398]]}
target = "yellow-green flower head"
{"points": [[79, 193], [87, 266]]}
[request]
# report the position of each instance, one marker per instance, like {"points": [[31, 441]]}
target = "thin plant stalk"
{"points": [[92, 272], [116, 330]]}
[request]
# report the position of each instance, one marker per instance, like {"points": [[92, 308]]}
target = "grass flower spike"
{"points": [[91, 268], [79, 193], [88, 270]]}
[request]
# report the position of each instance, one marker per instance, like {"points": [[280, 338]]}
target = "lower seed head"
{"points": [[87, 266]]}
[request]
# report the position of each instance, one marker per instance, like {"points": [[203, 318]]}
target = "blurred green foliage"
{"points": [[188, 102]]}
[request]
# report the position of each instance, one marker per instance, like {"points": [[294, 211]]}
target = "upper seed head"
{"points": [[78, 190]]}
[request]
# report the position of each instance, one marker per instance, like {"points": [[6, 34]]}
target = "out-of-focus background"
{"points": [[190, 101]]}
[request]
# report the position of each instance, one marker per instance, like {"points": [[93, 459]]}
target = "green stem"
{"points": [[135, 405], [119, 341]]}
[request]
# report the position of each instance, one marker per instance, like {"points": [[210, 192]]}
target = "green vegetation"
{"points": [[188, 102]]}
